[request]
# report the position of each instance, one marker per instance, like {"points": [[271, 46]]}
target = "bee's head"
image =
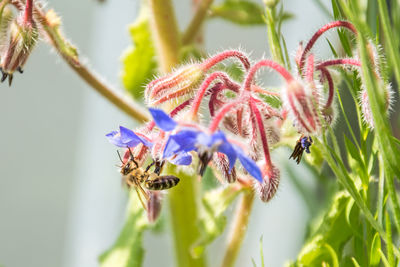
{"points": [[127, 167]]}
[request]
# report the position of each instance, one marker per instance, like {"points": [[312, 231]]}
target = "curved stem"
{"points": [[263, 136], [212, 61], [310, 69], [64, 49], [314, 38], [266, 63], [28, 12], [203, 89], [327, 75], [221, 114], [239, 228], [197, 21], [339, 61]]}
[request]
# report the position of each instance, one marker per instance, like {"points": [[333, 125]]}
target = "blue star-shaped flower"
{"points": [[192, 139], [126, 138]]}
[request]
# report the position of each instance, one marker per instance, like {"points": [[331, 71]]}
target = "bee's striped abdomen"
{"points": [[162, 182]]}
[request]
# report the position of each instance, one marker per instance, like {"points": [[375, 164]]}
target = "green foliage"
{"points": [[243, 12], [127, 250], [212, 221], [333, 232], [139, 65]]}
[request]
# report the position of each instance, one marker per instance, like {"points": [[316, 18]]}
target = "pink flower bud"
{"points": [[267, 189], [365, 105], [376, 58], [180, 84], [6, 17], [23, 38], [302, 102]]}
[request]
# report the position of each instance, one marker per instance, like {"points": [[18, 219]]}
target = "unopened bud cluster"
{"points": [[223, 121]]}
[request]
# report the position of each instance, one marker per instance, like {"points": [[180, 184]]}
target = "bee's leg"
{"points": [[159, 167], [150, 165], [140, 198], [146, 196]]}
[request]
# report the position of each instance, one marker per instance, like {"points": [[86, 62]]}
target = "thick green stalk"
{"points": [[184, 218], [239, 228], [183, 198], [165, 33]]}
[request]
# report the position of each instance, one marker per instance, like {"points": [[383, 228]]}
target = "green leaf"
{"points": [[374, 256], [240, 12], [139, 64], [127, 250], [213, 221], [327, 242], [355, 262]]}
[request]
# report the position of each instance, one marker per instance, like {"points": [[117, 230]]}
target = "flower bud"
{"points": [[23, 38], [6, 17], [154, 206], [366, 107], [302, 101], [222, 163], [180, 84], [267, 189], [376, 58]]}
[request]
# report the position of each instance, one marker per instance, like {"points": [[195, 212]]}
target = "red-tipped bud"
{"points": [[376, 58], [267, 189], [302, 102], [22, 40], [222, 164], [365, 105], [178, 85], [6, 17]]}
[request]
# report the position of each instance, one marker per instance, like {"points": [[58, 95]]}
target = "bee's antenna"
{"points": [[119, 156], [133, 158], [130, 152]]}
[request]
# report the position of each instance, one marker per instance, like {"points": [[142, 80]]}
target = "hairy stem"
{"points": [[197, 21], [69, 54], [239, 228]]}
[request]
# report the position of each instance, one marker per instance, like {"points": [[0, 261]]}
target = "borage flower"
{"points": [[187, 138], [127, 138]]}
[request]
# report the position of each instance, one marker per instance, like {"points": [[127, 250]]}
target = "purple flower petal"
{"points": [[182, 159], [126, 138], [249, 164], [162, 120]]}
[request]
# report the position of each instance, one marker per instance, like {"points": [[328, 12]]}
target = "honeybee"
{"points": [[134, 176]]}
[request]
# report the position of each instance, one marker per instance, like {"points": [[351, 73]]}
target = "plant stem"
{"points": [[197, 21], [126, 105], [184, 214], [239, 228], [183, 198], [165, 33], [69, 54]]}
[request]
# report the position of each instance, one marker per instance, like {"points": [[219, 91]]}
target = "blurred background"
{"points": [[61, 200]]}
